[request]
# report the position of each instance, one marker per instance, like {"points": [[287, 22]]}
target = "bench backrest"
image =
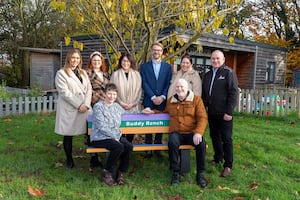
{"points": [[140, 123]]}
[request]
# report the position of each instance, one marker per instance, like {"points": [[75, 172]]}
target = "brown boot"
{"points": [[121, 179], [106, 177]]}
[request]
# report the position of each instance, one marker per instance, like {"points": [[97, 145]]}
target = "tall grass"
{"points": [[266, 165]]}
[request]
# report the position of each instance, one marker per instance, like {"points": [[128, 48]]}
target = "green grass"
{"points": [[266, 165]]}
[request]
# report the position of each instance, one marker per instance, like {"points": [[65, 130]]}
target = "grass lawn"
{"points": [[266, 165]]}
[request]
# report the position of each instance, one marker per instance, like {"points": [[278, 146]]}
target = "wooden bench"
{"points": [[143, 124]]}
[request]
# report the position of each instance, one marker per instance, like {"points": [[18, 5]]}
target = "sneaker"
{"points": [[175, 178], [106, 177], [201, 181]]}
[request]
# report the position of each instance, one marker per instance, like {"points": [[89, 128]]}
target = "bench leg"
{"points": [[185, 161]]}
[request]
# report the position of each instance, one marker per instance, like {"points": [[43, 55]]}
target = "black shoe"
{"points": [[175, 178], [70, 163], [148, 154], [201, 181]]}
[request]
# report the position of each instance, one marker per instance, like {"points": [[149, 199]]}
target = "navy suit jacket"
{"points": [[153, 87]]}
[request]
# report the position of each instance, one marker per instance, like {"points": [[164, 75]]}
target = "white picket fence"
{"points": [[264, 102], [25, 105]]}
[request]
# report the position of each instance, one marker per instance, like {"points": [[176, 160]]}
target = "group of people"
{"points": [[190, 102]]}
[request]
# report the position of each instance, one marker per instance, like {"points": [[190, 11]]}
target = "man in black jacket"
{"points": [[220, 90]]}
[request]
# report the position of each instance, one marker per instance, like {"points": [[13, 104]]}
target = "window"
{"points": [[202, 64], [270, 72]]}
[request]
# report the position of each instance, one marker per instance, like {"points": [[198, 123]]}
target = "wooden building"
{"points": [[43, 64], [257, 65]]}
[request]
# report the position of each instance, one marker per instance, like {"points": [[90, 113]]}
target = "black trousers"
{"points": [[221, 137], [119, 151], [175, 140]]}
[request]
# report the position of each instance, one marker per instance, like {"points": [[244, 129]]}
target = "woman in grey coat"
{"points": [[74, 101]]}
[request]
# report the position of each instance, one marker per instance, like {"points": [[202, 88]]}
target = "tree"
{"points": [[134, 25], [28, 23], [276, 22]]}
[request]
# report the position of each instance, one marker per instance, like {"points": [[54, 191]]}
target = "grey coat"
{"points": [[71, 94]]}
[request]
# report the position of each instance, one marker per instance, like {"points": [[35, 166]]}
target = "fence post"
{"points": [[26, 105], [14, 106], [39, 106], [20, 108], [1, 107], [45, 104], [32, 104], [50, 103], [7, 107]]}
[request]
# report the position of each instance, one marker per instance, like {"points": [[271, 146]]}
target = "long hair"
{"points": [[103, 67], [67, 65], [130, 58]]}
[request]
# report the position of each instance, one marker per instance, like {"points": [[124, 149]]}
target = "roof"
{"points": [[40, 50]]}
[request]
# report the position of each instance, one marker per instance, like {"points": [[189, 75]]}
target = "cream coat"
{"points": [[129, 91], [71, 94], [192, 77]]}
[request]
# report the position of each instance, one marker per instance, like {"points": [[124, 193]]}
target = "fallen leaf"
{"points": [[146, 175], [235, 191], [59, 143], [254, 185], [238, 198], [227, 188], [7, 120], [177, 197], [1, 196], [219, 187], [298, 143], [58, 164], [35, 192], [10, 142]]}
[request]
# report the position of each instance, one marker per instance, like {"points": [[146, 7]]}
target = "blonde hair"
{"points": [[68, 59]]}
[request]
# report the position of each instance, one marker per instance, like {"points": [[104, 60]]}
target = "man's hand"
{"points": [[197, 138], [158, 100], [227, 117]]}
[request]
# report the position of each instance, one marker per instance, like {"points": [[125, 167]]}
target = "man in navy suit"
{"points": [[156, 77]]}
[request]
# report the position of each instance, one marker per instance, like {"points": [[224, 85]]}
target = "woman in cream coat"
{"points": [[129, 84], [189, 74], [74, 101]]}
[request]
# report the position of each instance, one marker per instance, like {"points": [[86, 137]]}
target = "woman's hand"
{"points": [[147, 111], [82, 108]]}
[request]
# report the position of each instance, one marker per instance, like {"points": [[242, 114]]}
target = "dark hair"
{"points": [[130, 58], [110, 87], [103, 67], [188, 57]]}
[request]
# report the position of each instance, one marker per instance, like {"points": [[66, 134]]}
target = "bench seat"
{"points": [[140, 147]]}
